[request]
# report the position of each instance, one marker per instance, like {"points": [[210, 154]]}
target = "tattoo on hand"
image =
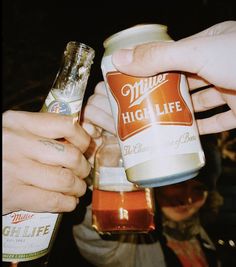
{"points": [[58, 147]]}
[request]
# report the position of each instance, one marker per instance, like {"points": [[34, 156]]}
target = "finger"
{"points": [[101, 102], [50, 152], [93, 130], [207, 99], [218, 123], [100, 88], [151, 58], [91, 152], [52, 178], [66, 155], [196, 82], [188, 55], [102, 119], [230, 98], [27, 198], [219, 28], [50, 125]]}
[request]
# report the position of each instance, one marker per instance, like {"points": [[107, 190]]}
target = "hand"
{"points": [[98, 111], [40, 173], [208, 57], [97, 116]]}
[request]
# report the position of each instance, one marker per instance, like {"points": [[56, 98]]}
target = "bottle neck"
{"points": [[72, 77], [67, 93]]}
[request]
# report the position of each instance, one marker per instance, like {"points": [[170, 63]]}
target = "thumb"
{"points": [[152, 58], [199, 55]]}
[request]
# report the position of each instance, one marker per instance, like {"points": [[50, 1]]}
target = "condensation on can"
{"points": [[154, 116]]}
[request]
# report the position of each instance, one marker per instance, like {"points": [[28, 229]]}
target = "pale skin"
{"points": [[207, 58], [40, 172]]}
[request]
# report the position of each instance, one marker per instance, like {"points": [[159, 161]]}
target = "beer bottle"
{"points": [[118, 206], [27, 237]]}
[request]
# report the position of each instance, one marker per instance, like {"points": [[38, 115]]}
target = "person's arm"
{"points": [[40, 173], [208, 57], [102, 252], [116, 250]]}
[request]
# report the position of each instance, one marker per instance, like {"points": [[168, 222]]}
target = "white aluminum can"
{"points": [[154, 116]]}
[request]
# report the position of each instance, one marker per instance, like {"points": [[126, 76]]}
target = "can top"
{"points": [[138, 34]]}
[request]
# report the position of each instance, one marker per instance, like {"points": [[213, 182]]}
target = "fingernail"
{"points": [[122, 57]]}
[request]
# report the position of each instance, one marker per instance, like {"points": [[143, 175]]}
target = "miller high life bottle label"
{"points": [[26, 235]]}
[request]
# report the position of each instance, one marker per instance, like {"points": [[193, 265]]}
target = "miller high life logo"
{"points": [[143, 102], [20, 217]]}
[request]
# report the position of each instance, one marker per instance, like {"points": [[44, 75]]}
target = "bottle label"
{"points": [[114, 179], [26, 235], [64, 105]]}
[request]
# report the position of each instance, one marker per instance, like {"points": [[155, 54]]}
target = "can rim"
{"points": [[145, 27]]}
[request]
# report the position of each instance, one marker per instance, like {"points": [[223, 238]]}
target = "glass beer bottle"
{"points": [[117, 204], [27, 237]]}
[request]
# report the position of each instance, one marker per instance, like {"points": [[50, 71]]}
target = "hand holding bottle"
{"points": [[210, 59], [39, 172]]}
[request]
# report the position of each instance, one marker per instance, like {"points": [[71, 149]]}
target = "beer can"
{"points": [[153, 116]]}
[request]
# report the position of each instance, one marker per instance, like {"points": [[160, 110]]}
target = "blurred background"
{"points": [[34, 35]]}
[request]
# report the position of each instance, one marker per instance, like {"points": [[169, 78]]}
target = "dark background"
{"points": [[34, 35]]}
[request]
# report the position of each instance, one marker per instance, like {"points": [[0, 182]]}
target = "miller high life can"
{"points": [[153, 116]]}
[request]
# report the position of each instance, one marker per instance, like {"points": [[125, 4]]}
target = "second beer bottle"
{"points": [[117, 204], [28, 236]]}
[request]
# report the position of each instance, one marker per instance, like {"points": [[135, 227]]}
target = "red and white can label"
{"points": [[153, 116], [143, 102]]}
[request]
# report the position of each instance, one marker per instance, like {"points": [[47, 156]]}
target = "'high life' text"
{"points": [[151, 113]]}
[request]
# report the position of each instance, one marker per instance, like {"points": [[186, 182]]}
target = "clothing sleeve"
{"points": [[98, 251], [125, 252]]}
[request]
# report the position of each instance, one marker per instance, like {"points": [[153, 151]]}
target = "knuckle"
{"points": [[100, 87], [84, 167], [61, 203], [91, 99], [68, 122], [75, 156], [67, 180], [83, 188], [54, 201], [83, 146], [86, 143], [71, 204], [151, 52], [87, 171]]}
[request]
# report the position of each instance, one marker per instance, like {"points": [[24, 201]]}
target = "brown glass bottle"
{"points": [[118, 205], [27, 237]]}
